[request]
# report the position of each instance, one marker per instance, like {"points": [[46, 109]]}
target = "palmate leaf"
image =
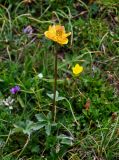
{"points": [[27, 127], [44, 121]]}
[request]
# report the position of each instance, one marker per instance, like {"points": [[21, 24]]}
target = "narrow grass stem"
{"points": [[72, 111], [55, 88], [27, 141]]}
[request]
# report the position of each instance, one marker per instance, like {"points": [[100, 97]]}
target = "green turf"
{"points": [[87, 119]]}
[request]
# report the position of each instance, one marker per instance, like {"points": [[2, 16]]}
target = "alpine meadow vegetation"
{"points": [[59, 79]]}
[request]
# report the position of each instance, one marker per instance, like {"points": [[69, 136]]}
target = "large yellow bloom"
{"points": [[57, 34], [77, 69]]}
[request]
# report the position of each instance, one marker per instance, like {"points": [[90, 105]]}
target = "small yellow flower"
{"points": [[77, 69], [57, 34]]}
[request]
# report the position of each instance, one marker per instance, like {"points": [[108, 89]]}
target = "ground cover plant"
{"points": [[59, 80]]}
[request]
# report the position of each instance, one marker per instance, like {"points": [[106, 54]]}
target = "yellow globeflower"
{"points": [[57, 34], [77, 69]]}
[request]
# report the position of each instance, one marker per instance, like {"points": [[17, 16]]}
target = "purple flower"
{"points": [[15, 89], [28, 30]]}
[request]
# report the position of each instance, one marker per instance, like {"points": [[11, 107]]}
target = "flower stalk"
{"points": [[54, 110], [57, 34]]}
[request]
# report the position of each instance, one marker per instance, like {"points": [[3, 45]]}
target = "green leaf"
{"points": [[29, 127], [38, 126], [24, 127], [66, 139], [41, 117], [48, 129], [58, 98], [35, 149], [21, 102], [49, 116], [17, 129]]}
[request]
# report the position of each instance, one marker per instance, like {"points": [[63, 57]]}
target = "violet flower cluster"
{"points": [[15, 89]]}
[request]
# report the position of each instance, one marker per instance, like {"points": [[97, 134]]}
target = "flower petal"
{"points": [[77, 69], [67, 34], [62, 41], [57, 34]]}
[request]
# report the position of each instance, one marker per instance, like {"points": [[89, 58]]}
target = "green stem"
{"points": [[27, 141], [55, 87], [72, 111]]}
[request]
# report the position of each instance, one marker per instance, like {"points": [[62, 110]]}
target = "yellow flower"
{"points": [[77, 69], [57, 34]]}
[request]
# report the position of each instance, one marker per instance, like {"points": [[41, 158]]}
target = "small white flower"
{"points": [[8, 102], [40, 75], [10, 107]]}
